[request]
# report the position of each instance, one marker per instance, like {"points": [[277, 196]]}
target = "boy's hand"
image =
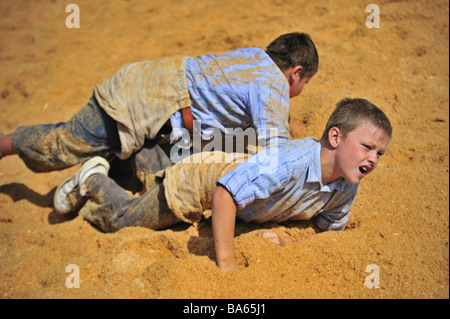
{"points": [[231, 266], [276, 239]]}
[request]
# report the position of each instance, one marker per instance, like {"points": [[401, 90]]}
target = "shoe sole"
{"points": [[75, 200]]}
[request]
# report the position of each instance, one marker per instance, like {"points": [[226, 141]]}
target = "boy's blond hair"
{"points": [[352, 113]]}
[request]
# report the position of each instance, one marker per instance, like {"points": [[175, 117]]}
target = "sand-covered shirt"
{"points": [[238, 89], [285, 183], [141, 97]]}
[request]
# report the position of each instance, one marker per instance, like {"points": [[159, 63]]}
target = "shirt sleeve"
{"points": [[257, 178], [336, 218], [270, 112]]}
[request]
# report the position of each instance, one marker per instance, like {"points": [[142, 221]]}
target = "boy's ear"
{"points": [[334, 136], [297, 71], [292, 73]]}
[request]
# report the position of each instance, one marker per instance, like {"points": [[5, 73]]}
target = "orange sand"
{"points": [[399, 220]]}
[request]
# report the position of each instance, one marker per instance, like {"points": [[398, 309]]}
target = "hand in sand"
{"points": [[276, 239]]}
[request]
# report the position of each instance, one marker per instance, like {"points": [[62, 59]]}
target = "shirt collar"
{"points": [[315, 172]]}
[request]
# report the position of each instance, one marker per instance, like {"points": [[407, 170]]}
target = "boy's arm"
{"points": [[336, 218], [223, 220], [256, 179]]}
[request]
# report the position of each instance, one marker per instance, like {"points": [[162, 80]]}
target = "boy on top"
{"points": [[248, 87]]}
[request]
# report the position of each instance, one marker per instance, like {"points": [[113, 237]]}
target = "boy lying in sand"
{"points": [[300, 180]]}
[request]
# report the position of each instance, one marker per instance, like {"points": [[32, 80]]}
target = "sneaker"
{"points": [[72, 189]]}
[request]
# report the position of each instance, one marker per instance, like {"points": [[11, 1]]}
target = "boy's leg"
{"points": [[151, 159], [111, 208], [48, 147], [137, 173]]}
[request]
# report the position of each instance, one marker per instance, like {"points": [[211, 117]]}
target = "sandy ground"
{"points": [[399, 221]]}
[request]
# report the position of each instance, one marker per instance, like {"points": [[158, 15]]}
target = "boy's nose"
{"points": [[373, 159]]}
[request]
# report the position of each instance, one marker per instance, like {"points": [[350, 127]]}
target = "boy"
{"points": [[313, 179], [299, 180], [239, 89]]}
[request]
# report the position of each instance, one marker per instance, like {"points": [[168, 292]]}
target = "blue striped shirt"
{"points": [[242, 88], [285, 183]]}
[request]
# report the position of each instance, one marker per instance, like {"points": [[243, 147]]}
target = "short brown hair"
{"points": [[352, 113], [292, 49]]}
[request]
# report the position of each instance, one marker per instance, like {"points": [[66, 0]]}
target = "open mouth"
{"points": [[363, 170]]}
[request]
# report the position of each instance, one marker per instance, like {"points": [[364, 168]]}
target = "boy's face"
{"points": [[296, 87], [358, 153], [296, 80]]}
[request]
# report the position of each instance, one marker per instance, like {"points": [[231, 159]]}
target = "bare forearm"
{"points": [[223, 221], [6, 147]]}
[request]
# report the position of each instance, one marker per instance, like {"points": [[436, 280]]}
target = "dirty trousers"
{"points": [[183, 193], [111, 208], [47, 147]]}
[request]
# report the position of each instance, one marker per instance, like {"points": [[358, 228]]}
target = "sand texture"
{"points": [[399, 221]]}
